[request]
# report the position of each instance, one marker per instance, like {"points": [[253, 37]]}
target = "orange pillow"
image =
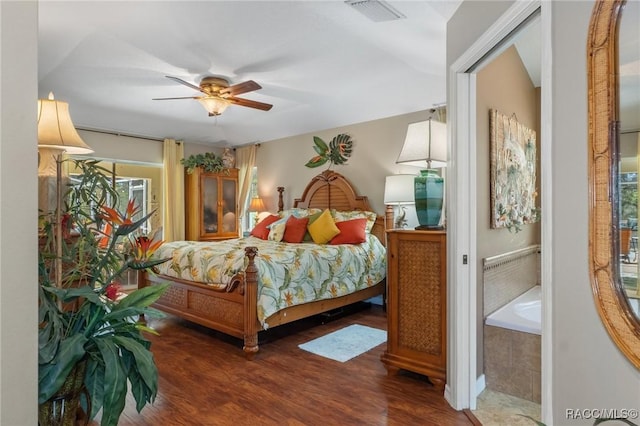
{"points": [[351, 232], [295, 230], [260, 230]]}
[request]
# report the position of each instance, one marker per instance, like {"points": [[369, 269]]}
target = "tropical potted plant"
{"points": [[90, 335], [208, 162]]}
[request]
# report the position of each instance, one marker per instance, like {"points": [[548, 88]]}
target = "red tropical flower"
{"points": [[113, 216], [112, 290], [144, 247]]}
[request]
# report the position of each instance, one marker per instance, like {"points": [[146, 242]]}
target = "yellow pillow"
{"points": [[323, 229]]}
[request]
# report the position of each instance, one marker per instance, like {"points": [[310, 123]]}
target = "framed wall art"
{"points": [[513, 173]]}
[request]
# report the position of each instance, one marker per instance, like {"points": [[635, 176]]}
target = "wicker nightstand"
{"points": [[416, 303]]}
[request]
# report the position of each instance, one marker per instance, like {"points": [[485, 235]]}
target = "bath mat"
{"points": [[376, 300], [346, 343]]}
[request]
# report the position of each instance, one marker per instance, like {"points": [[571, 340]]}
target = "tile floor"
{"points": [[499, 409]]}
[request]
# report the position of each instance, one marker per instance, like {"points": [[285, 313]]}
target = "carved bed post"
{"points": [[250, 304], [280, 200]]}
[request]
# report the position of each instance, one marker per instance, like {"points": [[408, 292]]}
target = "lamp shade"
{"points": [[256, 205], [213, 104], [425, 145], [56, 130], [399, 189]]}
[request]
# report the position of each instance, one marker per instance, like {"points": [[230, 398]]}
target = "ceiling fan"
{"points": [[218, 94]]}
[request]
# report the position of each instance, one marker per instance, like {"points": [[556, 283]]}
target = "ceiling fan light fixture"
{"points": [[214, 104]]}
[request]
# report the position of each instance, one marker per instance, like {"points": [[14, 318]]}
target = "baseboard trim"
{"points": [[447, 395], [480, 384]]}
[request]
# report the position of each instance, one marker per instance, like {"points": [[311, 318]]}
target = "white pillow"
{"points": [[298, 212], [277, 231]]}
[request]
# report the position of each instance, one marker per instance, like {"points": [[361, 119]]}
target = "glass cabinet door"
{"points": [[228, 208], [209, 205]]}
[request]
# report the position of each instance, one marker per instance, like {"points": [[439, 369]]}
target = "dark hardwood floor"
{"points": [[205, 380]]}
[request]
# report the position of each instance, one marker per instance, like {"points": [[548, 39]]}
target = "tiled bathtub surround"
{"points": [[508, 275], [512, 362], [511, 357]]}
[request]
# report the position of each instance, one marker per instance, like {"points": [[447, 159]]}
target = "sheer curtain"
{"points": [[173, 196], [245, 161]]}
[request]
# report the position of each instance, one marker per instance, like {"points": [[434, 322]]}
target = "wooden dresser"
{"points": [[211, 205], [417, 304]]}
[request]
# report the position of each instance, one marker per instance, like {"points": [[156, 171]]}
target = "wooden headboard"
{"points": [[331, 190]]}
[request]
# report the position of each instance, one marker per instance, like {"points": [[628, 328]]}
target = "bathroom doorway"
{"points": [[465, 298]]}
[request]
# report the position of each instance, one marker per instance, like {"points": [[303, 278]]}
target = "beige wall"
{"points": [[108, 146], [629, 143], [377, 145], [503, 84]]}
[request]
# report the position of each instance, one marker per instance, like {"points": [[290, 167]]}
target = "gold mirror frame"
{"points": [[604, 125]]}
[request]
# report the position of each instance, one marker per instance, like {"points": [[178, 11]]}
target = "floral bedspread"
{"points": [[288, 274]]}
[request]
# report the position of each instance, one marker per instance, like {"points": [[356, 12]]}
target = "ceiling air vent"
{"points": [[377, 11]]}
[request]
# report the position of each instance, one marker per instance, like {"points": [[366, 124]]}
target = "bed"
{"points": [[227, 301]]}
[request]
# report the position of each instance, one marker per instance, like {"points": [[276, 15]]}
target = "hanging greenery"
{"points": [[337, 152], [209, 162]]}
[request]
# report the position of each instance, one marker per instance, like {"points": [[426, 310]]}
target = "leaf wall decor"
{"points": [[337, 151]]}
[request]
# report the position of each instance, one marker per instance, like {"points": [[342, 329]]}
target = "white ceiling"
{"points": [[321, 64]]}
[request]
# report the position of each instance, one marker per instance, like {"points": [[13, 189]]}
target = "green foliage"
{"points": [[98, 327], [628, 201], [337, 152], [209, 162]]}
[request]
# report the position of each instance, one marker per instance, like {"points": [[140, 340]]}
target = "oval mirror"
{"points": [[614, 122]]}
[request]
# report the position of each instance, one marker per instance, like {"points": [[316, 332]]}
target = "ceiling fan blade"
{"points": [[249, 103], [181, 81], [237, 89], [183, 97]]}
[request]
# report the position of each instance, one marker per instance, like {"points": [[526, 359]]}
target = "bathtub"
{"points": [[523, 313]]}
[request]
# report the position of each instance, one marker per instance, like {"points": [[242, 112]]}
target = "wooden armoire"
{"points": [[211, 205]]}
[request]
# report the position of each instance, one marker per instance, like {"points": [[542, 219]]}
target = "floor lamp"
{"points": [[56, 136]]}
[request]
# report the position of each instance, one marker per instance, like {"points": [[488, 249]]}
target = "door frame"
{"points": [[463, 385]]}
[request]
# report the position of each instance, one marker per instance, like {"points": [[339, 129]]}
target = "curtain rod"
{"points": [[109, 132]]}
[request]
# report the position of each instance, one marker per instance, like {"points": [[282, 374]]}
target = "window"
{"points": [[143, 184], [250, 217], [629, 198], [136, 189]]}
